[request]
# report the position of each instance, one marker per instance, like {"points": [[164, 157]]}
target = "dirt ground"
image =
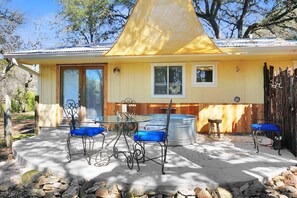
{"points": [[22, 124]]}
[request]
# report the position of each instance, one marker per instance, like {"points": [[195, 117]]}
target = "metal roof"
{"points": [[102, 48], [268, 42]]}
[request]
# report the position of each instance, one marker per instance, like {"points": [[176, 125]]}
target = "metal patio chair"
{"points": [[152, 136], [85, 133]]}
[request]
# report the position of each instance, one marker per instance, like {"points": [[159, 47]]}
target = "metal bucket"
{"points": [[182, 128]]}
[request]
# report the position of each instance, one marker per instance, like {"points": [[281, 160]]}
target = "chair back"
{"points": [[71, 112], [168, 112], [130, 104]]}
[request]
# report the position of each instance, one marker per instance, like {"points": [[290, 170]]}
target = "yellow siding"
{"points": [[134, 81], [47, 98]]}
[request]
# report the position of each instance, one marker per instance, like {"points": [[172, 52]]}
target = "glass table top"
{"points": [[116, 119]]}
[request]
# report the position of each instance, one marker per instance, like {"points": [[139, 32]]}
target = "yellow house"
{"points": [[163, 52]]}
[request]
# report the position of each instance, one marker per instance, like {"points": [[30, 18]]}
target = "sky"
{"points": [[38, 16]]}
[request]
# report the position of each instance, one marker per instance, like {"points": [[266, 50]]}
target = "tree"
{"points": [[92, 21], [10, 20], [240, 18]]}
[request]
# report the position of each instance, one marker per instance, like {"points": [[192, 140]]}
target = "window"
{"points": [[168, 80], [204, 74]]}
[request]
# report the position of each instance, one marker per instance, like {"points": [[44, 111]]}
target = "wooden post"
{"points": [[37, 128], [7, 122]]}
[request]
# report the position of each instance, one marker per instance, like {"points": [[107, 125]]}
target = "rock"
{"points": [[282, 196], [57, 192], [156, 196], [236, 192], [92, 190], [180, 196], [48, 187], [290, 179], [204, 194], [128, 195], [63, 188], [121, 186], [270, 183], [102, 192], [151, 192], [222, 192], [293, 169], [197, 190], [258, 186], [36, 193], [42, 181], [71, 192], [279, 183], [90, 196], [57, 185], [4, 187], [187, 192], [35, 178], [78, 181], [138, 191], [291, 189], [27, 177], [52, 179], [144, 196], [278, 178], [65, 180], [244, 187], [49, 194]]}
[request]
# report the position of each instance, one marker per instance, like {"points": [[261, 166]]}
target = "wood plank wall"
{"points": [[236, 118]]}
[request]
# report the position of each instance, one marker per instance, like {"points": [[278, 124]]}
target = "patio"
{"points": [[209, 162]]}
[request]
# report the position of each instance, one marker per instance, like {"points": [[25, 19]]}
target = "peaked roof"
{"points": [[163, 27]]}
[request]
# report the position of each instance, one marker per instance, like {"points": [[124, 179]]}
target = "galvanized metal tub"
{"points": [[182, 128]]}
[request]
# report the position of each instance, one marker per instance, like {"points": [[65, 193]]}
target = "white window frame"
{"points": [[183, 95], [214, 76]]}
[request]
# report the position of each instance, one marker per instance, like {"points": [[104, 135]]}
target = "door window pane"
{"points": [[71, 85], [94, 93], [175, 80]]}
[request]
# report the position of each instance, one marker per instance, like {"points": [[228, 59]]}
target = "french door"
{"points": [[85, 86]]}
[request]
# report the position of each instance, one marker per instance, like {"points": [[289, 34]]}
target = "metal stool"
{"points": [[214, 127]]}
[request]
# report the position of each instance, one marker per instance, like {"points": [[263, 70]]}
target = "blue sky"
{"points": [[38, 16]]}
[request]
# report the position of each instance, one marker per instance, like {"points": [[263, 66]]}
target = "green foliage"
{"points": [[93, 21], [22, 136], [22, 101]]}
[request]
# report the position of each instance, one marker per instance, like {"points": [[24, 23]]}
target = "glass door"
{"points": [[84, 85]]}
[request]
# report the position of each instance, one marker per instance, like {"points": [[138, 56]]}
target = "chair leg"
{"points": [[69, 147], [163, 158], [254, 139]]}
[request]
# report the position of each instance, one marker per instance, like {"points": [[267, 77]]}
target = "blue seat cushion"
{"points": [[152, 136], [87, 131], [266, 127]]}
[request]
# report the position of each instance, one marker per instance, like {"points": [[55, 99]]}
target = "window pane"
{"points": [[94, 93], [175, 80], [204, 74], [160, 80], [71, 87]]}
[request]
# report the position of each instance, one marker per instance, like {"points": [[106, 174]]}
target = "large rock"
{"points": [[71, 192], [36, 193], [222, 192], [27, 177], [102, 192]]}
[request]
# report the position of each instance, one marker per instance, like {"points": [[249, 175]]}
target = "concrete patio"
{"points": [[209, 162]]}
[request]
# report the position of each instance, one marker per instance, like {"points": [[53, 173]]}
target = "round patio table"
{"points": [[122, 131]]}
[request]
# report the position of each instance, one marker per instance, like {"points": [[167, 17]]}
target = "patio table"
{"points": [[122, 131]]}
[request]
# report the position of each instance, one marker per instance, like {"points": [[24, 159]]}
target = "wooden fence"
{"points": [[280, 102]]}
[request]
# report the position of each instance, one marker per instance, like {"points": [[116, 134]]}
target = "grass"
{"points": [[22, 136], [19, 117]]}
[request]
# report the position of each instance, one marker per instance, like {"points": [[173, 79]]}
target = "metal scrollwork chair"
{"points": [[152, 136], [85, 133]]}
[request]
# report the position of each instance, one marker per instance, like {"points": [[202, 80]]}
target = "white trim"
{"points": [[214, 82], [25, 67], [183, 65]]}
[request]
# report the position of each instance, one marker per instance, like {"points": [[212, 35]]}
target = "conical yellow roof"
{"points": [[163, 27]]}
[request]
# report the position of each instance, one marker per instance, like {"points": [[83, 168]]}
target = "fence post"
{"points": [[37, 128], [7, 122]]}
